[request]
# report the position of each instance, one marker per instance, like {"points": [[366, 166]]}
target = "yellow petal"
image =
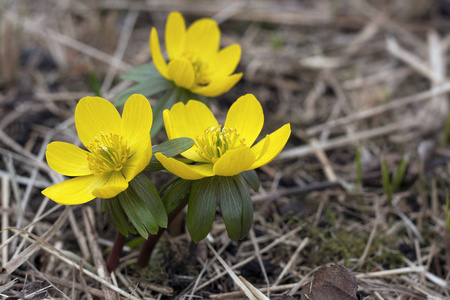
{"points": [[234, 162], [168, 124], [182, 170], [226, 60], [67, 159], [116, 184], [74, 191], [217, 86], [175, 35], [266, 153], [157, 56], [260, 149], [203, 38], [94, 116], [137, 163], [189, 120], [182, 73], [247, 117], [171, 130], [137, 118]]}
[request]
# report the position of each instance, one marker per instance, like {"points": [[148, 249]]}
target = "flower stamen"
{"points": [[107, 154], [201, 68], [216, 141]]}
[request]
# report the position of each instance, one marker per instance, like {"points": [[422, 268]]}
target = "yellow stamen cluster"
{"points": [[107, 154], [216, 141], [201, 68]]}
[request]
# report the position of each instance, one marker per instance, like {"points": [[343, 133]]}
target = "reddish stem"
{"points": [[114, 256], [149, 244]]}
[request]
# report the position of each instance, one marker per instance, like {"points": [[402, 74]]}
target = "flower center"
{"points": [[216, 141], [201, 68], [107, 154]]}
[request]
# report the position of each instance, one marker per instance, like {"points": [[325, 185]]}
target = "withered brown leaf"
{"points": [[334, 282]]}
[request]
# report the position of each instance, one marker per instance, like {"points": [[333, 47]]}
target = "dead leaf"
{"points": [[335, 282]]}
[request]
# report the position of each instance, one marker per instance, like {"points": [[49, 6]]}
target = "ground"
{"points": [[363, 181]]}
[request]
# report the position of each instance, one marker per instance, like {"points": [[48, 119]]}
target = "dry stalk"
{"points": [[5, 218]]}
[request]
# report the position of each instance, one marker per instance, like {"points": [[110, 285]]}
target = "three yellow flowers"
{"points": [[195, 62], [118, 148]]}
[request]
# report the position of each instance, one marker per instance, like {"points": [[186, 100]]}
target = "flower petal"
{"points": [[74, 191], [217, 86], [182, 73], [247, 117], [226, 60], [182, 170], [266, 153], [67, 159], [189, 120], [203, 38], [157, 56], [234, 162], [137, 118], [137, 163], [94, 116], [115, 184], [175, 35]]}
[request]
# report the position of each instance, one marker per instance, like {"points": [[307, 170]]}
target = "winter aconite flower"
{"points": [[195, 62], [118, 148], [224, 150]]}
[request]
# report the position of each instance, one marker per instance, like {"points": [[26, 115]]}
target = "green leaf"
{"points": [[94, 83], [165, 102], [119, 216], [142, 73], [252, 179], [135, 210], [386, 181], [176, 193], [247, 207], [135, 242], [202, 207], [185, 95], [146, 190], [237, 207], [174, 147], [143, 206], [148, 88], [169, 148], [399, 174]]}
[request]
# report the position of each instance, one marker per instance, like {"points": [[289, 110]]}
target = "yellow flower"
{"points": [[221, 150], [195, 62], [119, 149]]}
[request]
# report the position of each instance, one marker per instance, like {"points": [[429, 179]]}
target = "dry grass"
{"points": [[347, 75]]}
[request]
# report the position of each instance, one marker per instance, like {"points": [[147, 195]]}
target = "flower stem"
{"points": [[149, 244], [114, 256]]}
